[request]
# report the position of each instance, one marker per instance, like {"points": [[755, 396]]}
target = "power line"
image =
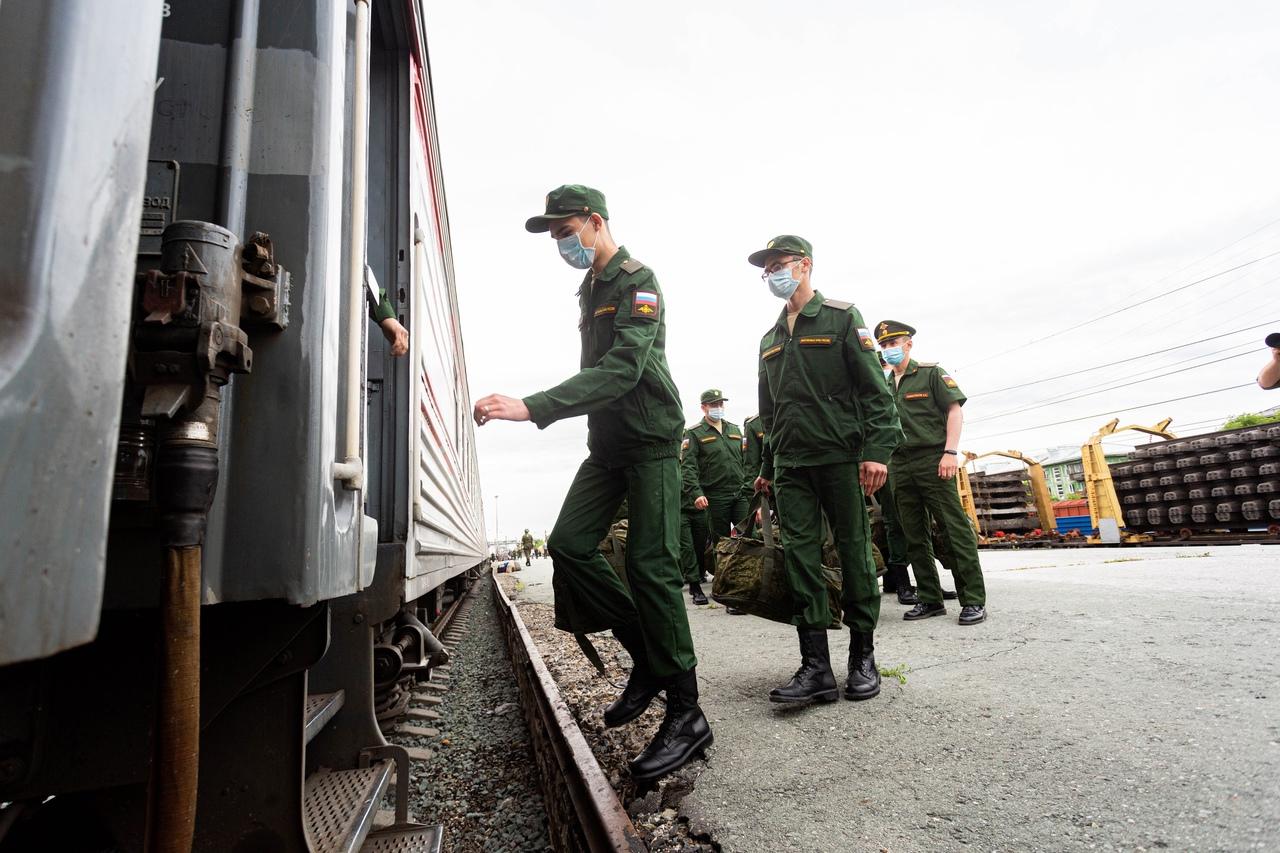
{"points": [[1092, 392], [1112, 412], [1129, 307], [1123, 360]]}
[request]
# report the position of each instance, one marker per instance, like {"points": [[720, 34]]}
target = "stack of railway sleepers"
{"points": [[1222, 482], [1004, 503]]}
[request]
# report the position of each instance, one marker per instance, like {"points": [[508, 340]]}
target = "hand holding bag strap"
{"points": [[759, 501]]}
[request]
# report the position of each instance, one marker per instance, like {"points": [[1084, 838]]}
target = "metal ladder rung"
{"points": [[320, 710], [341, 804]]}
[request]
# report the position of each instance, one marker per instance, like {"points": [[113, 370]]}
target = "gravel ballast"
{"points": [[655, 813], [479, 781]]}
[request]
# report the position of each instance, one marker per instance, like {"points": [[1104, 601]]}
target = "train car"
{"points": [[230, 514]]}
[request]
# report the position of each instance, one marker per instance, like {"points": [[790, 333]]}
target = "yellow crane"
{"points": [[1035, 474], [1099, 489]]}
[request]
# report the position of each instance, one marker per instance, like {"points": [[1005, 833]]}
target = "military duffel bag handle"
{"points": [[759, 501]]}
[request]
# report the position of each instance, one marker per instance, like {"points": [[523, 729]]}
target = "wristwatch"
{"points": [[951, 452]]}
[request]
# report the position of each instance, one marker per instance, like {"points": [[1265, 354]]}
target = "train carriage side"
{"points": [[316, 583]]}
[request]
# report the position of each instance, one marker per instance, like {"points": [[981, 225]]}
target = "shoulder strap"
{"points": [[838, 304], [631, 266]]}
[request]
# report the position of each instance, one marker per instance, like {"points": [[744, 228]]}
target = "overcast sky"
{"points": [[991, 173]]}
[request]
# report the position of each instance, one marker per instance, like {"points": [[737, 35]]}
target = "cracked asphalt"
{"points": [[1115, 699]]}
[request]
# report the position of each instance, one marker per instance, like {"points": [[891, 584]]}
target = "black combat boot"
{"points": [[924, 610], [699, 597], [898, 581], [864, 677], [642, 685], [684, 732], [814, 680]]}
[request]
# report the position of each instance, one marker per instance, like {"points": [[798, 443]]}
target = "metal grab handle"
{"points": [[351, 469]]}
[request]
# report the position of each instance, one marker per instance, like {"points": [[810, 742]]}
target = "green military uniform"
{"points": [[826, 408], [690, 558], [634, 423], [924, 394], [753, 452], [712, 468], [526, 545]]}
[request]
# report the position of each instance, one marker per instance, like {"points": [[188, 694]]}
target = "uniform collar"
{"points": [[912, 367], [610, 270], [810, 308]]}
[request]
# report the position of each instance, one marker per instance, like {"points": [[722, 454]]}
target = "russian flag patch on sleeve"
{"points": [[645, 304]]}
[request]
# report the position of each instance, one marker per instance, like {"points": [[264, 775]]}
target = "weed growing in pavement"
{"points": [[519, 586], [1192, 556], [899, 672]]}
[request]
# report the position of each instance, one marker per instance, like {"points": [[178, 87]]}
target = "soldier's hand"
{"points": [[872, 476], [763, 485], [496, 407], [396, 335], [947, 467], [700, 503]]}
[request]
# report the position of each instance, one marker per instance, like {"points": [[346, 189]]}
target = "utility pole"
{"points": [[496, 534]]}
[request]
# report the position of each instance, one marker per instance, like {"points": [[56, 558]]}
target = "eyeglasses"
{"points": [[773, 267]]}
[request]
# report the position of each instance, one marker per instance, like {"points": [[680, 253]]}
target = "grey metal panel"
{"points": [[72, 167], [282, 526], [447, 511]]}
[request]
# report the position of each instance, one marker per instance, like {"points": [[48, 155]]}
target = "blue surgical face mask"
{"points": [[894, 355], [782, 284], [716, 413], [574, 253]]}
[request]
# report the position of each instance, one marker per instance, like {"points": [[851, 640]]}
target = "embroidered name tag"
{"points": [[817, 341], [645, 304], [606, 309], [918, 395], [708, 438], [771, 352]]}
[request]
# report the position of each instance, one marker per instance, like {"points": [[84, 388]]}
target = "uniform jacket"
{"points": [[624, 387], [823, 398], [712, 463], [923, 397], [753, 442]]}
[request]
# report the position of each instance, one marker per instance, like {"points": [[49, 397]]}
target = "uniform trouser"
{"points": [[690, 559], [922, 497], [589, 595], [709, 525], [804, 494], [894, 537]]}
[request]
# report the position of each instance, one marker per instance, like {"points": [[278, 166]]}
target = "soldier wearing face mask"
{"points": [[634, 425], [712, 473], [831, 428], [924, 470]]}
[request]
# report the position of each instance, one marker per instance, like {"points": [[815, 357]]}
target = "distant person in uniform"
{"points": [[831, 431], [526, 545], [897, 578], [1269, 378], [922, 477], [712, 471], [690, 517], [634, 425]]}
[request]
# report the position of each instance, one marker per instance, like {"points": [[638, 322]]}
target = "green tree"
{"points": [[1249, 419]]}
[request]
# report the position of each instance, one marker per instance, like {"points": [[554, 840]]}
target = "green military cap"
{"points": [[714, 395], [786, 244], [892, 329], [565, 201]]}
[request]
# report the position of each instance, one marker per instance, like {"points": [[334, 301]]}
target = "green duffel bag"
{"points": [[751, 575]]}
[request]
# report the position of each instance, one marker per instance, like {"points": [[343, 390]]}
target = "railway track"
{"points": [[583, 810]]}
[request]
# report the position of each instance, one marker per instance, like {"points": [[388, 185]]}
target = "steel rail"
{"points": [[583, 810]]}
